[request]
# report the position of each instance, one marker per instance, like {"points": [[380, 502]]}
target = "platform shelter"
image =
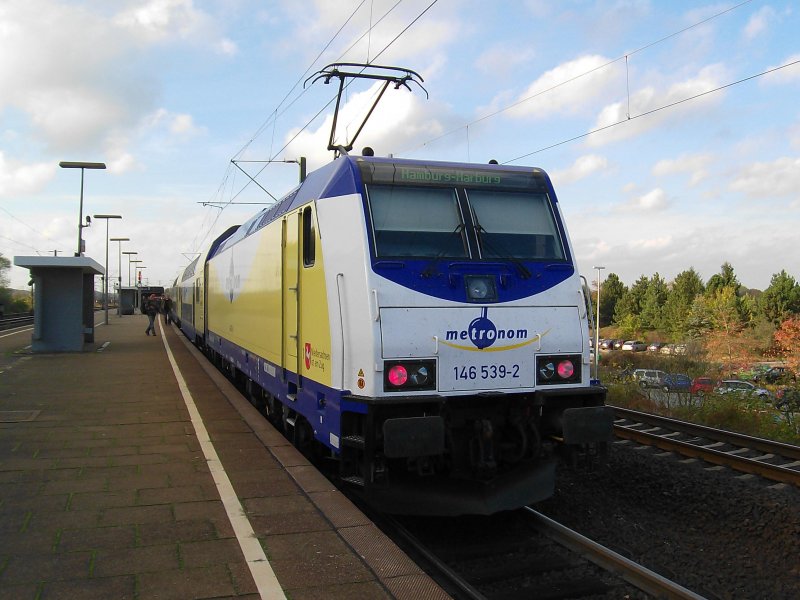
{"points": [[63, 299]]}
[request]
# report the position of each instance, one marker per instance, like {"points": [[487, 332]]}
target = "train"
{"points": [[421, 323]]}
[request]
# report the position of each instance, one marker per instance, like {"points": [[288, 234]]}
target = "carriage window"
{"points": [[515, 225], [308, 237], [417, 222]]}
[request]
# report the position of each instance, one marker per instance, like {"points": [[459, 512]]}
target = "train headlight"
{"points": [[420, 376], [480, 288], [409, 375], [555, 370]]}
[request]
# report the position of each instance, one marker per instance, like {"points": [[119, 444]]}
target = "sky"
{"points": [[670, 129]]}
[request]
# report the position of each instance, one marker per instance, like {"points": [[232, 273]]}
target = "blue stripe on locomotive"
{"points": [[324, 419], [342, 177]]}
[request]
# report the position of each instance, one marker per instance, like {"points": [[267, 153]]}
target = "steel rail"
{"points": [[744, 464], [13, 322], [635, 574]]}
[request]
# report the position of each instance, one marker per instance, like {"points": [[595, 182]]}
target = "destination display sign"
{"points": [[424, 174]]}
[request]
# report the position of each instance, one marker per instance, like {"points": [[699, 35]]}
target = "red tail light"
{"points": [[398, 375], [409, 375]]}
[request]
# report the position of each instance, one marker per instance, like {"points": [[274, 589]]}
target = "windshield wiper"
{"points": [[499, 251], [430, 269]]}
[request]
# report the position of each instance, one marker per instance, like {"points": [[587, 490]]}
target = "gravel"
{"points": [[719, 534]]}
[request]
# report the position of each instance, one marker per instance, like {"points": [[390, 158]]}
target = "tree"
{"points": [[725, 278], [631, 302], [787, 341], [724, 314], [5, 293], [611, 290], [781, 299], [686, 286], [652, 307], [698, 319], [5, 265]]}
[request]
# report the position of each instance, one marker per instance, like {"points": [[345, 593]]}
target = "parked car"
{"points": [[667, 349], [742, 388], [618, 344], [677, 382], [606, 344], [702, 386], [774, 375], [649, 378], [654, 347], [634, 346]]}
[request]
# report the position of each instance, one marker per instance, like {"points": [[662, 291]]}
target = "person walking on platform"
{"points": [[151, 310], [167, 307]]}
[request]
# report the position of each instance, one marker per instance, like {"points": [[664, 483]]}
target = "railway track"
{"points": [[524, 555], [7, 323], [775, 461]]}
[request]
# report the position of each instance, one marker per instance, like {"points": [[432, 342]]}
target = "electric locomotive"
{"points": [[424, 323]]}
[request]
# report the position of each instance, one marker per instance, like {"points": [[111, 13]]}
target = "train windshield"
{"points": [[514, 225], [411, 221]]}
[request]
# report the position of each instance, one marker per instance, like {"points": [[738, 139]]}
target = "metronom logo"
{"points": [[483, 333]]}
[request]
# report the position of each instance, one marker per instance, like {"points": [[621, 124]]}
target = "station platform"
{"points": [[135, 470]]}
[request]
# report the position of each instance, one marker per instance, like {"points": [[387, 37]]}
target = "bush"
{"points": [[751, 416]]}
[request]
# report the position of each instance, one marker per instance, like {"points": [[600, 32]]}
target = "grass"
{"points": [[750, 416]]}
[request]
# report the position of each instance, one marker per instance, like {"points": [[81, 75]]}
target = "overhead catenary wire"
{"points": [[267, 122], [313, 118], [654, 110], [581, 75], [276, 113]]}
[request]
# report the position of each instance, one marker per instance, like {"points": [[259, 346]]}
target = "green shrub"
{"points": [[751, 416]]}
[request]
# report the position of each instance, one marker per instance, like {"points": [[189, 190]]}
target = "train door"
{"points": [[202, 304], [290, 250]]}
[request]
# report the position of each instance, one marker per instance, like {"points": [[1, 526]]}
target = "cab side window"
{"points": [[309, 240]]}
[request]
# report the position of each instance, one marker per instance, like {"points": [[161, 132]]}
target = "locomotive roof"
{"points": [[342, 176]]}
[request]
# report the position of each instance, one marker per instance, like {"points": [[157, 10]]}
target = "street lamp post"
{"points": [[597, 329], [82, 166], [105, 276], [132, 262], [119, 273], [129, 266], [136, 294]]}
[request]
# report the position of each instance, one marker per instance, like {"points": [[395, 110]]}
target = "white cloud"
{"points": [[73, 79], [178, 124], [658, 243], [383, 19], [693, 164], [786, 74], [74, 117], [653, 201], [614, 117], [581, 168], [759, 22], [400, 120], [779, 178], [157, 20], [569, 88], [226, 47], [18, 178]]}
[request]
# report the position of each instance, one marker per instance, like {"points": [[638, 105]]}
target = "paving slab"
{"points": [[105, 491]]}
